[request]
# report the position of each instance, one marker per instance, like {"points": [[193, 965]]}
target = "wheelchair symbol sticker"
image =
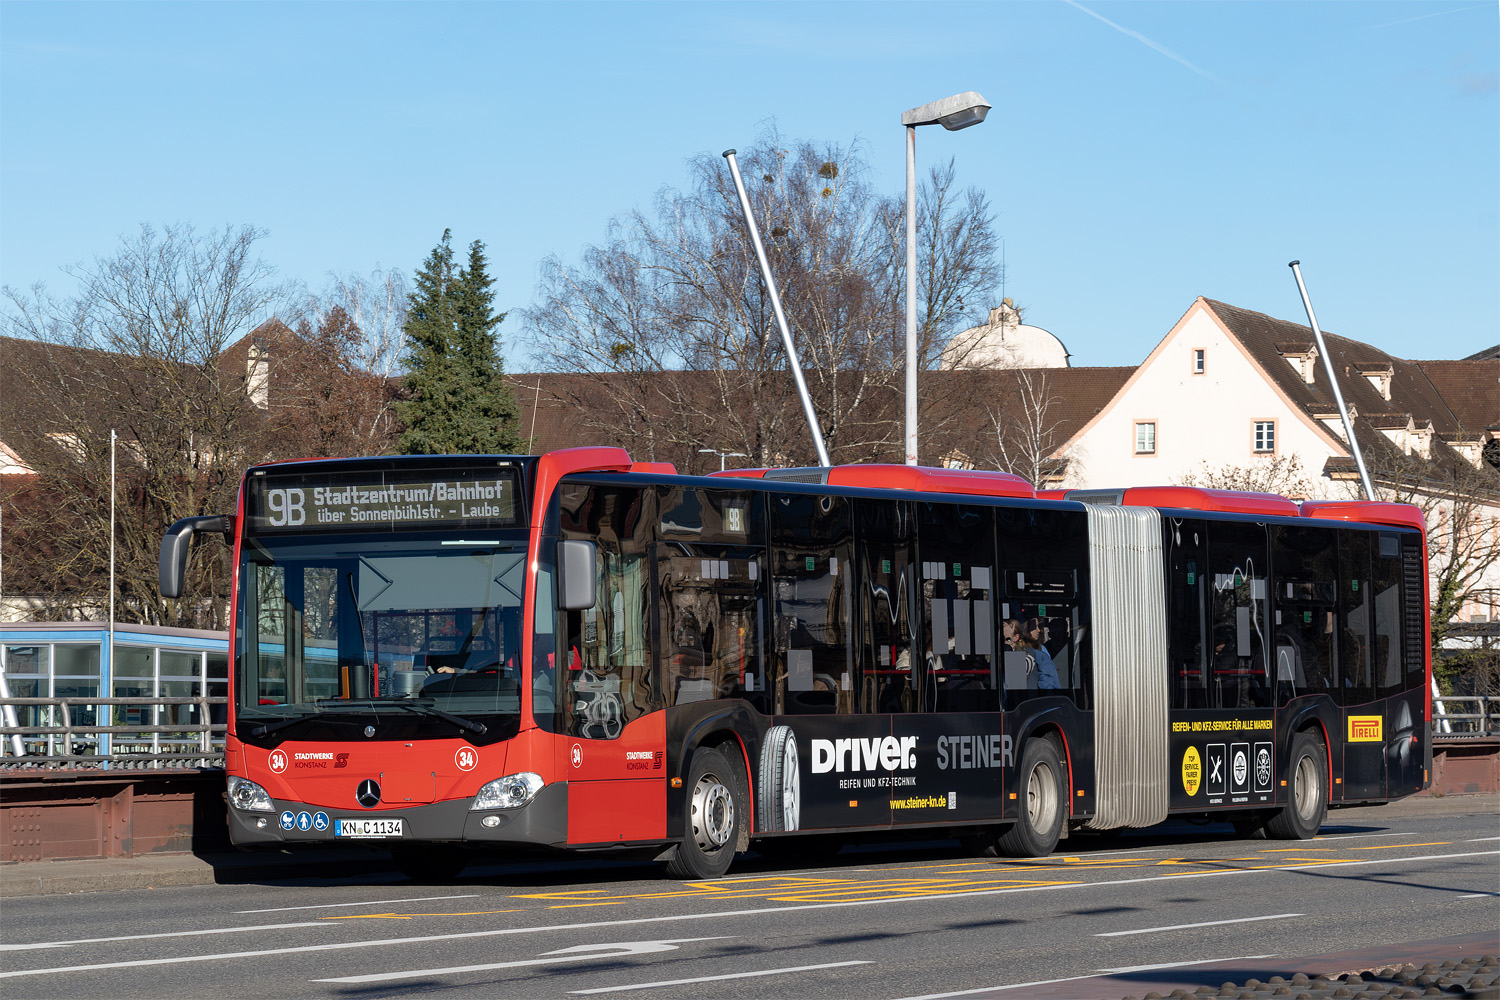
{"points": [[320, 821]]}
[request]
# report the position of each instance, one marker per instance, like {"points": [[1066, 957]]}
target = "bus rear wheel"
{"points": [[715, 810], [1043, 803], [1307, 794]]}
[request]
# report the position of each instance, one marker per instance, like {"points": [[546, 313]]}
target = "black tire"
{"points": [[780, 798], [430, 863], [715, 809], [1042, 803], [1307, 791]]}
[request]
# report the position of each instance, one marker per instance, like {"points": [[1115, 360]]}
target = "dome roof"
{"points": [[1004, 342]]}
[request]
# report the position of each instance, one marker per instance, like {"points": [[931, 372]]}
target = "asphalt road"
{"points": [[881, 921]]}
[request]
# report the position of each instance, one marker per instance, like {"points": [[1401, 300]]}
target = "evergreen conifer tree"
{"points": [[458, 401]]}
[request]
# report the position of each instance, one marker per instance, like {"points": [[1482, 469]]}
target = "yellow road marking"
{"points": [[1296, 850], [1388, 847], [411, 916], [597, 902]]}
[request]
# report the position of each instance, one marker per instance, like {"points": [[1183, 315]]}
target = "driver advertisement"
{"points": [[1227, 760], [862, 771]]}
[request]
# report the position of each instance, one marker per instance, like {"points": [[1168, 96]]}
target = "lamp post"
{"points": [[722, 455], [953, 113]]}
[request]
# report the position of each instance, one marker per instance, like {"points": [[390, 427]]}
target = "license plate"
{"points": [[368, 828]]}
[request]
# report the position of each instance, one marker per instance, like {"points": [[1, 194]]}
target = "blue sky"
{"points": [[1138, 154]]}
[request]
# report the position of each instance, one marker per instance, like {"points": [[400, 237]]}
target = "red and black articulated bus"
{"points": [[576, 651]]}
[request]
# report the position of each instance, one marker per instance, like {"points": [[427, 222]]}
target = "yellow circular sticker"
{"points": [[1192, 771]]}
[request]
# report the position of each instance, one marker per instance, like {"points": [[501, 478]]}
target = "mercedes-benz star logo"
{"points": [[368, 794]]}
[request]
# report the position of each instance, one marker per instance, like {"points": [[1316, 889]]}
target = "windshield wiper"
{"points": [[375, 707], [477, 728], [272, 727]]}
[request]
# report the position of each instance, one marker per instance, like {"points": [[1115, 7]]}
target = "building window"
{"points": [[1198, 361], [1145, 437], [1265, 435]]}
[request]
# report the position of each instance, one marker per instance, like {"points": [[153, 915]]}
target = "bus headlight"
{"points": [[249, 796], [509, 792]]}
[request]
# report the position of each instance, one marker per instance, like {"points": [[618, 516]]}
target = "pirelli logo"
{"points": [[1366, 729]]}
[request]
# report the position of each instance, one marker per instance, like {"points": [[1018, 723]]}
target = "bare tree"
{"points": [[1281, 474], [1026, 423], [669, 329], [1461, 504], [143, 348], [323, 401]]}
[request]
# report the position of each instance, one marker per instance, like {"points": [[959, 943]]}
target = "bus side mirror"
{"points": [[576, 568], [171, 565]]}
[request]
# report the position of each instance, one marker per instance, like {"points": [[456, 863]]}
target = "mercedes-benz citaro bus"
{"points": [[445, 654]]}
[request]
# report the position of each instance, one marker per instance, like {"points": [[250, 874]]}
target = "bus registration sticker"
{"points": [[1366, 729], [1192, 771], [368, 828]]}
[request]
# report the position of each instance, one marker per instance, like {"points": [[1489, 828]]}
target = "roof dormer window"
{"points": [[1379, 374]]}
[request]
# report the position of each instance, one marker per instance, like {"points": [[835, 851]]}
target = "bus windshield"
{"points": [[415, 635]]}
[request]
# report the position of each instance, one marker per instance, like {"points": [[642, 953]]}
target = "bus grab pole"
{"points": [[1359, 459], [786, 335]]}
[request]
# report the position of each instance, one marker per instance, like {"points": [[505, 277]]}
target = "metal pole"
{"points": [[1359, 459], [813, 427], [106, 675], [911, 295]]}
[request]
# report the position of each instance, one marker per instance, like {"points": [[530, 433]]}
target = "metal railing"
{"points": [[127, 747], [1484, 720]]}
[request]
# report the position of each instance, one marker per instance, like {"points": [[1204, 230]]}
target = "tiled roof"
{"points": [[1469, 398]]}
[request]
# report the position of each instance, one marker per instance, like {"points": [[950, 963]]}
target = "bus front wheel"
{"points": [[715, 810], [1043, 803], [1307, 792]]}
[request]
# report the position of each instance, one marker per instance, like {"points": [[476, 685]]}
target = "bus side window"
{"points": [[1043, 588], [1354, 684], [1385, 576], [1242, 631], [957, 573], [709, 583], [812, 587], [1187, 611], [887, 683], [1305, 573]]}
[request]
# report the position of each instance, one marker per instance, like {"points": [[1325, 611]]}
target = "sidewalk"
{"points": [[151, 871]]}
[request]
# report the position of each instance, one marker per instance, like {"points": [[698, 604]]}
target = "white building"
{"points": [[1238, 398]]}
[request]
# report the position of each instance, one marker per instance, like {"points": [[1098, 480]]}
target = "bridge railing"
{"points": [[65, 737], [1466, 715]]}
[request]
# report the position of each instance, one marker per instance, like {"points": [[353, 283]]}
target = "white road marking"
{"points": [[1177, 965], [164, 934], [1206, 923], [680, 917], [1362, 836], [1481, 840], [714, 979], [577, 953], [988, 989], [1479, 895], [1071, 979], [368, 902]]}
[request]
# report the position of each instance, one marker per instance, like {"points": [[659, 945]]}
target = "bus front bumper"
{"points": [[541, 822]]}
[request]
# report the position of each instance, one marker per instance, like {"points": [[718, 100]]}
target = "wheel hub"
{"points": [[713, 814]]}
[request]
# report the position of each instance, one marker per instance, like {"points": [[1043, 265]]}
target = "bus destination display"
{"points": [[287, 504]]}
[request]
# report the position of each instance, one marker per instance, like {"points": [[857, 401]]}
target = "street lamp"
{"points": [[953, 113], [722, 455]]}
